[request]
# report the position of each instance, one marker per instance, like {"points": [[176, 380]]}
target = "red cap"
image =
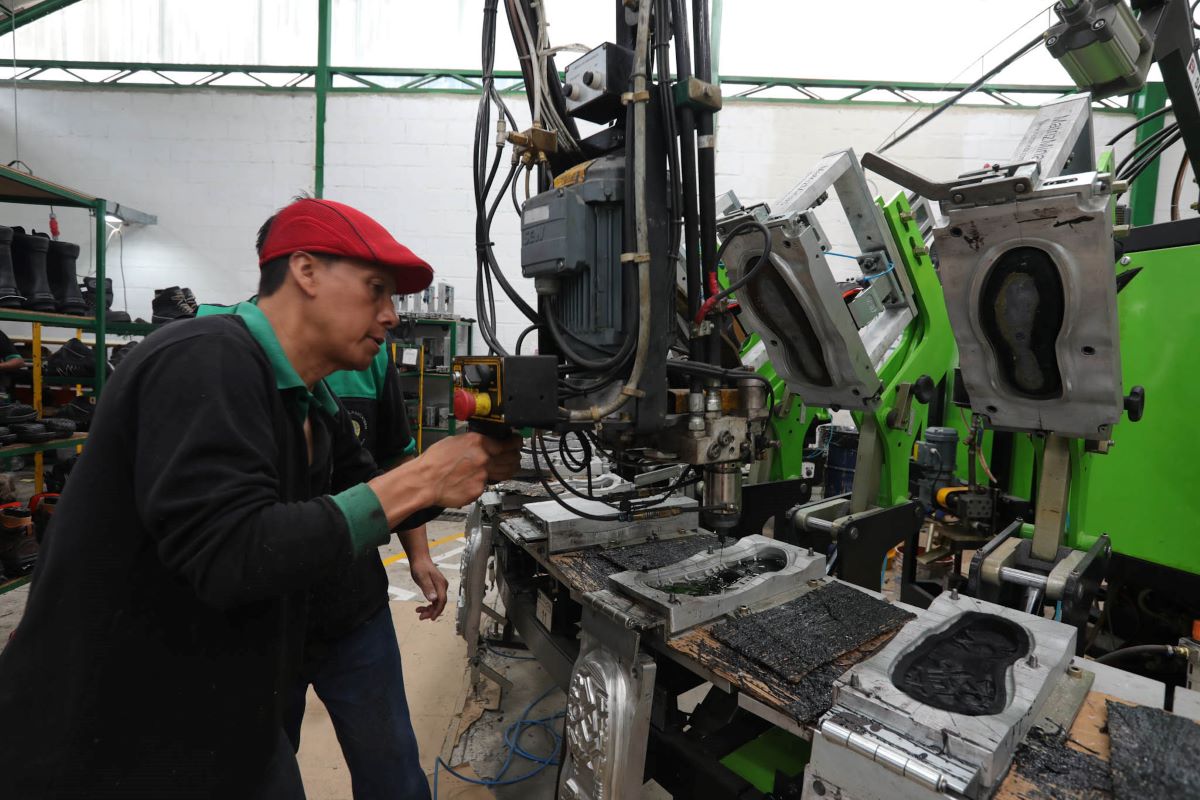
{"points": [[336, 229]]}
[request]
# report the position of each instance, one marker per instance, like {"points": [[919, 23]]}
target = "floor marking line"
{"points": [[400, 594], [441, 557], [433, 544]]}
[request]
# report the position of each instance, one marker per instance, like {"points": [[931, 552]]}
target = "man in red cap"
{"points": [[221, 481]]}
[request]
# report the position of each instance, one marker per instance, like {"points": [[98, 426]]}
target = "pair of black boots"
{"points": [[38, 273]]}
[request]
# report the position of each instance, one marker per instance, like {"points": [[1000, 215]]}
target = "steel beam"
{"points": [[323, 84]]}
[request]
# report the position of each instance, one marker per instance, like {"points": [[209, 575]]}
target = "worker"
{"points": [[351, 656], [352, 659], [221, 481]]}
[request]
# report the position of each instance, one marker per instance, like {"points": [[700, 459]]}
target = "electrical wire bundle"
{"points": [[484, 177], [512, 742], [623, 504]]}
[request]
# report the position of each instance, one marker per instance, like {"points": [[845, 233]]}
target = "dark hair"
{"points": [[273, 273]]}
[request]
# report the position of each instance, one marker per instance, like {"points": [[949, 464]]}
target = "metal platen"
{"points": [[1026, 261], [826, 351], [942, 708], [709, 585]]}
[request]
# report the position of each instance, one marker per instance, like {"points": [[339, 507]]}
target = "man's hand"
{"points": [[461, 466], [432, 583], [450, 474]]}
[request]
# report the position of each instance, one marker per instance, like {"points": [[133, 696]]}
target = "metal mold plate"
{"points": [[985, 743], [685, 611], [1068, 219], [567, 531]]}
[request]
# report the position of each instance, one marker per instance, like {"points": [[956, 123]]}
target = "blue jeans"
{"points": [[362, 686]]}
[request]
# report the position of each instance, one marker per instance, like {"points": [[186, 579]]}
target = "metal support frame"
{"points": [[34, 13], [323, 82], [384, 80]]}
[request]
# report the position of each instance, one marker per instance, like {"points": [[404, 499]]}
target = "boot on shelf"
{"points": [[171, 304], [64, 283], [29, 264], [90, 287], [10, 296], [18, 547]]}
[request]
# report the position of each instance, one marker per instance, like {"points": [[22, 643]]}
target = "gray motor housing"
{"points": [[571, 245]]}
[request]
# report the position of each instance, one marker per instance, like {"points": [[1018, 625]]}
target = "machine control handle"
{"points": [[1135, 403], [924, 389]]}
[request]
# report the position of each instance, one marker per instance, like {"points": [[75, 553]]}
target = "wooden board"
{"points": [[582, 571], [764, 685], [1089, 735]]}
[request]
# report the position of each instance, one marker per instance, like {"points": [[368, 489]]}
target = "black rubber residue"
{"points": [[963, 668], [659, 553], [1155, 755], [1060, 772], [795, 638]]}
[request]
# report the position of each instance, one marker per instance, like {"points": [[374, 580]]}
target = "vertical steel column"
{"points": [[323, 82], [1142, 194], [100, 210]]}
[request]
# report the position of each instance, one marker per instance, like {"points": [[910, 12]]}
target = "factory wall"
{"points": [[214, 164]]}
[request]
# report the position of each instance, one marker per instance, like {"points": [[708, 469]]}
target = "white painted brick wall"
{"points": [[213, 165]]}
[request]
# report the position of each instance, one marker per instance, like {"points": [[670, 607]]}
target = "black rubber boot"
{"points": [[29, 264], [10, 296], [89, 297], [60, 266]]}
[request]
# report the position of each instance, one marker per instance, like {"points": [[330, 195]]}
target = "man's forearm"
{"points": [[415, 543], [403, 492]]}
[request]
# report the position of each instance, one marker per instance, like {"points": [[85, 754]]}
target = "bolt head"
{"points": [[958, 198], [1053, 40], [1125, 261], [1020, 188], [1098, 24]]}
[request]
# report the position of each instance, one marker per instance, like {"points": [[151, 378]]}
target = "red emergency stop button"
{"points": [[464, 405]]}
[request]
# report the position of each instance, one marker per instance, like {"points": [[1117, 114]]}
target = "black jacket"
{"points": [[167, 610], [354, 594]]}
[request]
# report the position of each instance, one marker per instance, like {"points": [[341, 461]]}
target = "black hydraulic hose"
{"points": [[1141, 649], [687, 158], [949, 101], [521, 338], [1148, 118], [706, 163], [560, 341], [1149, 158], [1140, 150]]}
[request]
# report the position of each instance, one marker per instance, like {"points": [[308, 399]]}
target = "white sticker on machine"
{"points": [[545, 609]]}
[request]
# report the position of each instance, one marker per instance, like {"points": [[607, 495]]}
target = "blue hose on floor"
{"points": [[512, 741]]}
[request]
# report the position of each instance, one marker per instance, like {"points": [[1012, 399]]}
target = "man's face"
{"points": [[353, 309]]}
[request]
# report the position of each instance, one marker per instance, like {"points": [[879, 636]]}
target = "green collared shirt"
{"points": [[358, 504]]}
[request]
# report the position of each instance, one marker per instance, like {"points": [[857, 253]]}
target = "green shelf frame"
{"points": [[15, 583], [87, 324], [19, 449]]}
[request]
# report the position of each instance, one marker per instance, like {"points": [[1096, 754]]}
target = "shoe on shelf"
{"points": [[29, 251], [41, 507], [32, 432], [56, 476], [73, 360], [169, 305], [120, 353], [61, 427], [7, 437], [190, 299], [79, 411], [12, 412], [64, 283], [90, 286], [18, 545], [10, 295]]}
